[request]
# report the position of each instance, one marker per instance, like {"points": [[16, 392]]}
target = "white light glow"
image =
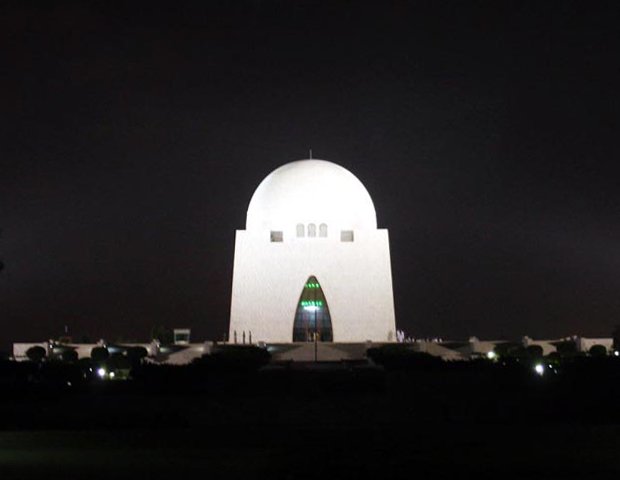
{"points": [[302, 191], [112, 375], [491, 355], [616, 353], [539, 369], [311, 308], [101, 372]]}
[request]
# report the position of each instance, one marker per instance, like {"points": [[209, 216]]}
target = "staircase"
{"points": [[326, 352]]}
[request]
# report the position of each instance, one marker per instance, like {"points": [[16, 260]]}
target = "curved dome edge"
{"points": [[310, 190]]}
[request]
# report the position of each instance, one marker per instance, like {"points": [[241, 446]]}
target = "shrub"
{"points": [[118, 361], [510, 350], [566, 348], [534, 351], [69, 356], [99, 354], [85, 363], [136, 354], [57, 374], [598, 351], [240, 357], [36, 353], [402, 356]]}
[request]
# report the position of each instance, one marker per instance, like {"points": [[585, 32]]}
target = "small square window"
{"points": [[276, 236], [346, 235]]}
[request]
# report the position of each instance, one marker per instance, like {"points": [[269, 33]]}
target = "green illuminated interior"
{"points": [[311, 303], [312, 318]]}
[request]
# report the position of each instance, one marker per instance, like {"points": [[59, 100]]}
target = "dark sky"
{"points": [[134, 136]]}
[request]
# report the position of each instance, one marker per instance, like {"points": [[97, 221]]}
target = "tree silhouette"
{"points": [[136, 354], [534, 351], [99, 354], [598, 351], [36, 353], [69, 356]]}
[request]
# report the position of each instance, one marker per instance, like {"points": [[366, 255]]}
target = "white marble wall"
{"points": [[356, 279]]}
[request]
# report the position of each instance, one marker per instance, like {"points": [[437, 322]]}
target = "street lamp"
{"points": [[312, 307], [316, 336]]}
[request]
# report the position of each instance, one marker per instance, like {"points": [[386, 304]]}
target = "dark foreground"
{"points": [[333, 422], [315, 452]]}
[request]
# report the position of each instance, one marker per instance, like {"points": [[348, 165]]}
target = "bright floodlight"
{"points": [[111, 374], [101, 372], [491, 355], [539, 369], [616, 353]]}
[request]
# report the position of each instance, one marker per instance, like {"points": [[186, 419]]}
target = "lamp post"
{"points": [[311, 304], [316, 336]]}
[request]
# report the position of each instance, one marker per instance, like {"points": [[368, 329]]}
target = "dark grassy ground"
{"points": [[330, 423], [298, 452]]}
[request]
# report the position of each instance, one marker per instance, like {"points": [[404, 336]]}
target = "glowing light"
{"points": [[539, 369], [491, 355], [311, 308], [616, 353], [312, 303], [101, 372], [112, 375]]}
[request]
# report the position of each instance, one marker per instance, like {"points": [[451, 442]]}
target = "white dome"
{"points": [[311, 191]]}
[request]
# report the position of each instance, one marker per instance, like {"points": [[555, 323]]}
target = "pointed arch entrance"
{"points": [[312, 315]]}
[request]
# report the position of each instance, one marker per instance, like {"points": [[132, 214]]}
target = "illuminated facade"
{"points": [[311, 262]]}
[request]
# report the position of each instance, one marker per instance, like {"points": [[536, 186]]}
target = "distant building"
{"points": [[311, 262], [181, 336], [585, 344], [183, 353]]}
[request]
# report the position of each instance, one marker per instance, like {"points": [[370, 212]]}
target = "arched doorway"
{"points": [[312, 319]]}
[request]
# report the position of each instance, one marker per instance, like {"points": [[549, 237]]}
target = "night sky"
{"points": [[134, 136]]}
